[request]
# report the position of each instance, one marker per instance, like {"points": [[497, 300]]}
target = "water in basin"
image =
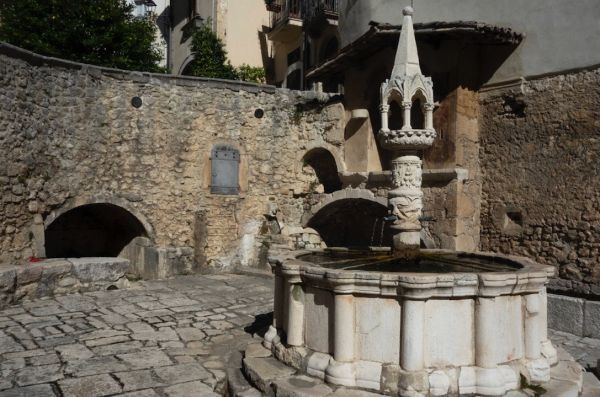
{"points": [[416, 261]]}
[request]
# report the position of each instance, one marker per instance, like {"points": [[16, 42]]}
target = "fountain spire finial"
{"points": [[407, 56]]}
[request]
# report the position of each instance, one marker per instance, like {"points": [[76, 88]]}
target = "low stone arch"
{"points": [[96, 226], [100, 199], [350, 217], [360, 194]]}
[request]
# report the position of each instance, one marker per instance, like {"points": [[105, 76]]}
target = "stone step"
{"points": [[591, 385], [262, 371]]}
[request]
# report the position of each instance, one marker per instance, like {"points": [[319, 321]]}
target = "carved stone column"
{"points": [[406, 106], [341, 369], [295, 324], [406, 199], [384, 108], [428, 116]]}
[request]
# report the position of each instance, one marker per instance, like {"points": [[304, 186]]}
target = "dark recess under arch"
{"points": [[92, 230], [323, 162], [352, 223]]}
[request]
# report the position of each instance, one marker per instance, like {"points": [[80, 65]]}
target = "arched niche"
{"points": [[417, 110], [92, 230], [395, 112], [325, 167], [352, 222]]}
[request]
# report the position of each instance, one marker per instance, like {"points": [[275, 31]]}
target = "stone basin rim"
{"points": [[530, 278]]}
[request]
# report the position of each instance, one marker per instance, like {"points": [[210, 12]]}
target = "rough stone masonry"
{"points": [[540, 156], [69, 136]]}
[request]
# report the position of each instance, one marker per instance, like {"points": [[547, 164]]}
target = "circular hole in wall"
{"points": [[259, 113], [136, 102]]}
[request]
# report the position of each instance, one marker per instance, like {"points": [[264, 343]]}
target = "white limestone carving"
{"points": [[406, 83], [346, 326]]}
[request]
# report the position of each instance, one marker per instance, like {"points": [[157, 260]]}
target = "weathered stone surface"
{"points": [[540, 197], [141, 393], [301, 386], [99, 270], [191, 388], [145, 358], [87, 158], [190, 334], [263, 371], [591, 315], [256, 350], [565, 314], [9, 344], [44, 390], [92, 386], [182, 373], [344, 392], [39, 374], [95, 365], [136, 380]]}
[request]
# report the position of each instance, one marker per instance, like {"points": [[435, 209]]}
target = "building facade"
{"points": [[515, 111], [239, 24]]}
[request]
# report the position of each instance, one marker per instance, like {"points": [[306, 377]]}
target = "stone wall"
{"points": [[69, 136], [540, 159]]}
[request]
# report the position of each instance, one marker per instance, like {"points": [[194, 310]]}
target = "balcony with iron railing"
{"points": [[315, 9], [288, 16]]}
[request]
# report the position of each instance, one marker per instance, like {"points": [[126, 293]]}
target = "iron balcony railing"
{"points": [[316, 8], [282, 10]]}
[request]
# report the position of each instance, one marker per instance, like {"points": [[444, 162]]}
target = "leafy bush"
{"points": [[100, 32]]}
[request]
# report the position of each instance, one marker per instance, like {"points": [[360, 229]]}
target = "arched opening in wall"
{"points": [[92, 230], [352, 223], [417, 111], [395, 116], [187, 69], [325, 168]]}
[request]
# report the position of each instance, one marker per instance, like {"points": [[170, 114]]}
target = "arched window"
{"points": [[417, 112], [225, 166], [396, 116]]}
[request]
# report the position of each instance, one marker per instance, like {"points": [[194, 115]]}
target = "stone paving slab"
{"points": [[158, 338]]}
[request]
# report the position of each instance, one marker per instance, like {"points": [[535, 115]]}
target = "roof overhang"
{"points": [[382, 35]]}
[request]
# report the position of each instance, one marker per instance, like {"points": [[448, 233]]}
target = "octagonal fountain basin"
{"points": [[433, 322]]}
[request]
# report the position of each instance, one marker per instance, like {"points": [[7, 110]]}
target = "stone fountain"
{"points": [[415, 322]]}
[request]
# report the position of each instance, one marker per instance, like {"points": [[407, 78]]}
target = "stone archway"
{"points": [[92, 230], [350, 217]]}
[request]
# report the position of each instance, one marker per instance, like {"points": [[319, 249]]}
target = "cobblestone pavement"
{"points": [[586, 351], [160, 338]]}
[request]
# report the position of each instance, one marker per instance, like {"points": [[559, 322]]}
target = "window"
{"points": [[225, 165]]}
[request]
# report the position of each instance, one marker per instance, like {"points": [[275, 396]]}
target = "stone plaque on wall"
{"points": [[225, 165]]}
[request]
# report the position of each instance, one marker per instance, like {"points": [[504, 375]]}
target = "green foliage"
{"points": [[210, 57], [100, 32], [255, 74]]}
